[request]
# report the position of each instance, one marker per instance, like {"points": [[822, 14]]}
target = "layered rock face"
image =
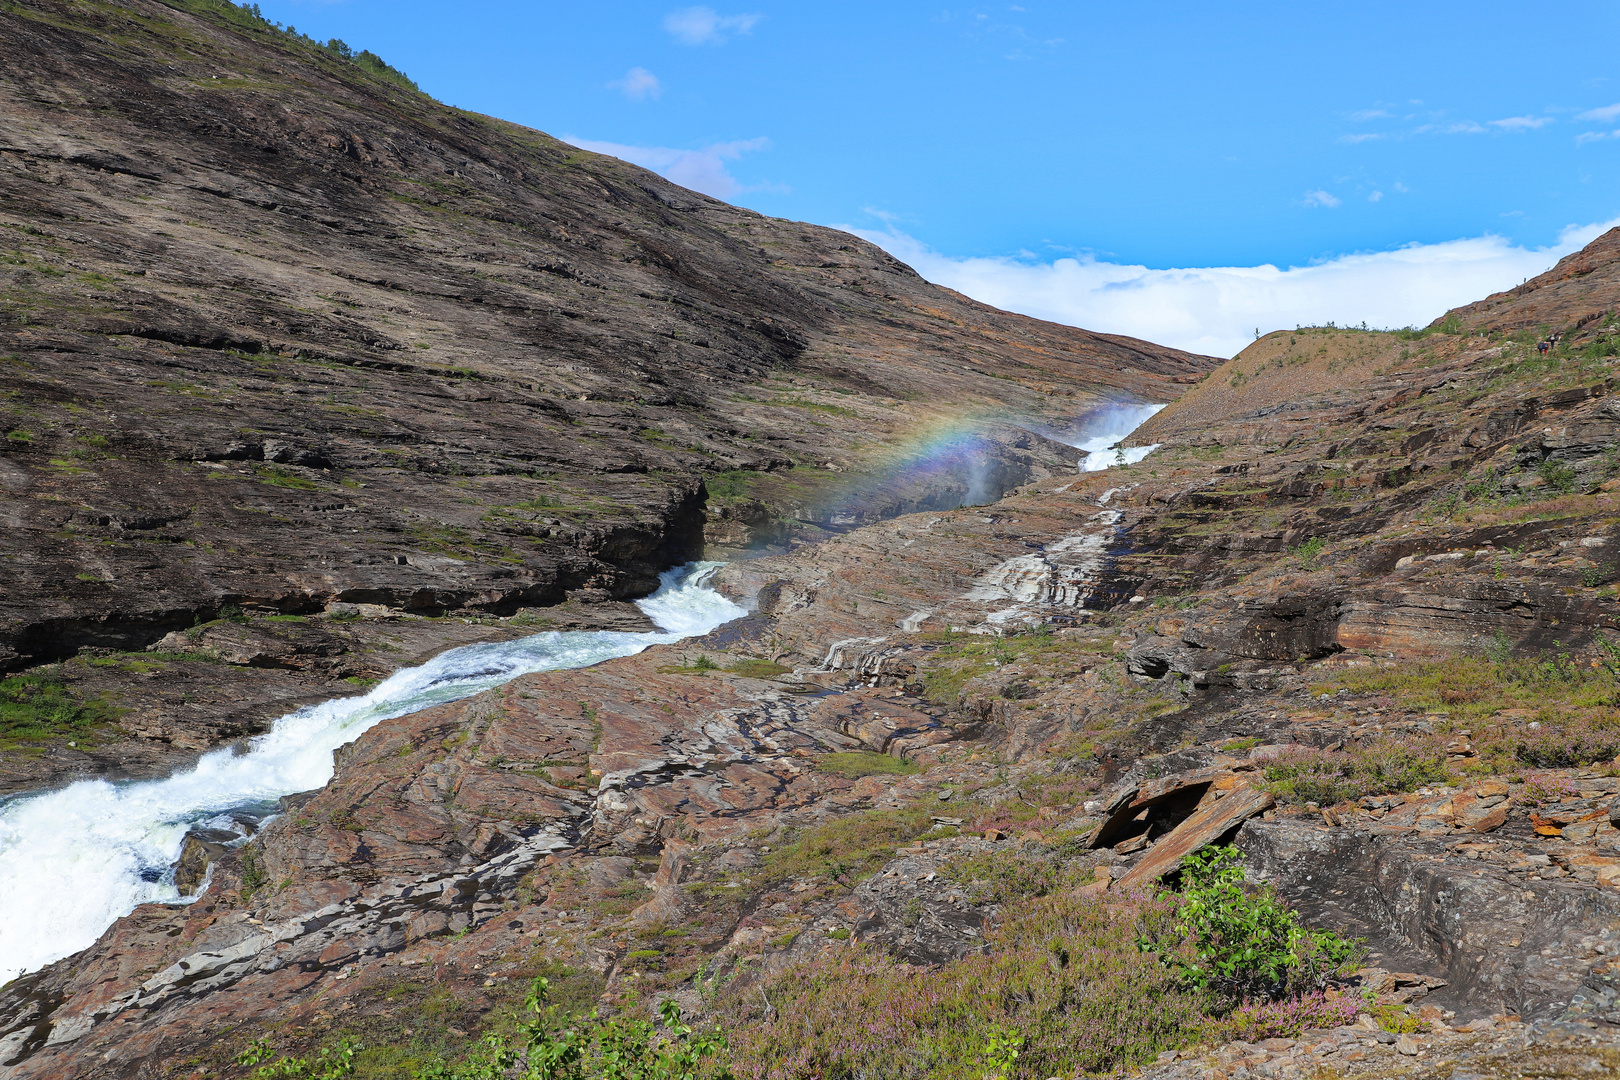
{"points": [[278, 333], [1576, 298]]}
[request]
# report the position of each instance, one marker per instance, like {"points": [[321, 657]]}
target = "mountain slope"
{"points": [[261, 303], [278, 333], [1572, 298]]}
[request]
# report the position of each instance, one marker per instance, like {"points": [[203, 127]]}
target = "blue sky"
{"points": [[1158, 136]]}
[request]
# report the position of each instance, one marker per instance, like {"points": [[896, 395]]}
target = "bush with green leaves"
{"points": [[1310, 552], [330, 1063], [1558, 476], [1246, 944], [553, 1047]]}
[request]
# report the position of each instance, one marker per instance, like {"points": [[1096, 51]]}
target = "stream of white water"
{"points": [[1103, 432], [74, 860]]}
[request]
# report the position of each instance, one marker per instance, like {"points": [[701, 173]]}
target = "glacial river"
{"points": [[74, 860]]}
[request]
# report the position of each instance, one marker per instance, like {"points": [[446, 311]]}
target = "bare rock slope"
{"points": [[281, 331]]}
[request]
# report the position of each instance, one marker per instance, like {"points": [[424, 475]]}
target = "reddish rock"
{"points": [[1207, 825]]}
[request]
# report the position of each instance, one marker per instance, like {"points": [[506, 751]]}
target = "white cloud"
{"points": [[1521, 123], [638, 84], [1593, 136], [1215, 309], [1375, 196], [701, 170], [1608, 112], [1321, 198], [1359, 137], [1367, 114], [706, 26]]}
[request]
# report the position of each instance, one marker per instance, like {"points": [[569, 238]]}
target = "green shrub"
{"points": [[1395, 1020], [1309, 553], [550, 1047], [1246, 944], [1558, 476], [331, 1063]]}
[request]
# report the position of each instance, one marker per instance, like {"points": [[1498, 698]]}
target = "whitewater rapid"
{"points": [[74, 860], [1103, 433]]}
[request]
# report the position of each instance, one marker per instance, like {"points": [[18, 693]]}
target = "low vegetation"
{"points": [[849, 848], [1546, 710], [1070, 985], [755, 668], [854, 764], [1244, 943], [549, 1046], [41, 706], [1376, 767]]}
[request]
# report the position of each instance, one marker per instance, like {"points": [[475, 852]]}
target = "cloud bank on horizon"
{"points": [[1216, 310]]}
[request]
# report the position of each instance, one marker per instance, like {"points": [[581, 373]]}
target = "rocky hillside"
{"points": [[279, 332], [1357, 617], [1576, 298]]}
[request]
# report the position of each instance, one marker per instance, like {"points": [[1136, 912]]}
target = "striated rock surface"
{"points": [[1577, 298]]}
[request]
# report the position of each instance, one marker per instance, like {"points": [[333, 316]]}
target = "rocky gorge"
{"points": [[1352, 617], [283, 338]]}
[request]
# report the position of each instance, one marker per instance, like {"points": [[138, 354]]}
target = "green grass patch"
{"points": [[752, 668], [811, 406], [276, 476], [42, 707], [850, 848], [854, 764]]}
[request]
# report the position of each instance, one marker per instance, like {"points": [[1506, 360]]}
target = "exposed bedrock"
{"points": [[1502, 945]]}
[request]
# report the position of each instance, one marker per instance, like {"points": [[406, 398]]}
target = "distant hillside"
{"points": [[1578, 297]]}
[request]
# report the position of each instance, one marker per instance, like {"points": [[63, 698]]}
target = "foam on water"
{"points": [[74, 860], [1103, 432]]}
